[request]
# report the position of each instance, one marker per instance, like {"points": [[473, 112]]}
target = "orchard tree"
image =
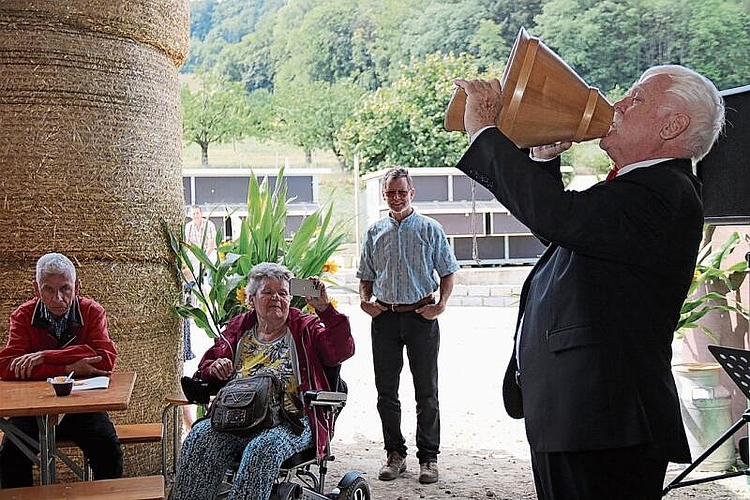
{"points": [[216, 112], [311, 114], [402, 124]]}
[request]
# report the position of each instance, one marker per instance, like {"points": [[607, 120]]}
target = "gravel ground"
{"points": [[484, 452]]}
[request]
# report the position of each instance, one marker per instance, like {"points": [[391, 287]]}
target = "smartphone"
{"points": [[303, 288]]}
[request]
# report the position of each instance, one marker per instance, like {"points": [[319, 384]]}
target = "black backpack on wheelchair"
{"points": [[297, 477]]}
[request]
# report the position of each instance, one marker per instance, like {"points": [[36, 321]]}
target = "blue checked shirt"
{"points": [[404, 260]]}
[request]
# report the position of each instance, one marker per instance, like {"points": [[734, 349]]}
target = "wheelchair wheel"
{"points": [[287, 491], [358, 490]]}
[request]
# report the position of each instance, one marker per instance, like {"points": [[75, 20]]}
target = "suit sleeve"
{"points": [[599, 221]]}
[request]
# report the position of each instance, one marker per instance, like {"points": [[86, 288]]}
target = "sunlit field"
{"points": [[251, 153]]}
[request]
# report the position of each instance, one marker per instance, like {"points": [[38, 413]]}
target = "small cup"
{"points": [[62, 385]]}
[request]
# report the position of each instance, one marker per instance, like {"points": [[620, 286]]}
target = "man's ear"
{"points": [[674, 127], [78, 287]]}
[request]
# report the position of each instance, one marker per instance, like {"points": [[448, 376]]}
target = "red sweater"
{"points": [[91, 339]]}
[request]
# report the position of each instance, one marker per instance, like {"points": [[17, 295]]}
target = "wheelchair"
{"points": [[297, 478]]}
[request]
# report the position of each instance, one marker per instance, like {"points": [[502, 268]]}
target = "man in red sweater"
{"points": [[56, 333]]}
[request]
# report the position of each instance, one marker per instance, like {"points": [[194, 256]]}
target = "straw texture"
{"points": [[90, 167]]}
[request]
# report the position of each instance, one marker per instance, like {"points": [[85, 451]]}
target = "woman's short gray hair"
{"points": [[703, 104], [264, 270], [54, 263]]}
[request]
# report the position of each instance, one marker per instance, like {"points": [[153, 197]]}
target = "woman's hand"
{"points": [[221, 369], [322, 302]]}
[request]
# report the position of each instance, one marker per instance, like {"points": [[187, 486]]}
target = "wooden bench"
{"points": [[126, 488], [127, 434]]}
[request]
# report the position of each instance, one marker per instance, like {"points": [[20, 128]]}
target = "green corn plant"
{"points": [[261, 239], [708, 270]]}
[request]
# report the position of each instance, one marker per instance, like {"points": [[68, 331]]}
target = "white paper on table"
{"points": [[91, 383]]}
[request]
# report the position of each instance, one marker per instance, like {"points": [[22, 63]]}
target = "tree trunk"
{"points": [[342, 163], [204, 154], [339, 157]]}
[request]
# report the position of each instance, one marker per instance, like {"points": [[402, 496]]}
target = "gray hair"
{"points": [[397, 173], [54, 263], [264, 270], [702, 102]]}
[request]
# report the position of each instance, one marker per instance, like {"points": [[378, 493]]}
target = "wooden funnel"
{"points": [[544, 100]]}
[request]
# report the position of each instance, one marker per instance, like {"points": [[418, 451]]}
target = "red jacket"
{"points": [[88, 329], [319, 341]]}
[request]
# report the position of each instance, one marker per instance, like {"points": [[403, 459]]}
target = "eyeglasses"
{"points": [[281, 294], [399, 193]]}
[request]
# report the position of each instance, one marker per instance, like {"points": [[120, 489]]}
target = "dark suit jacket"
{"points": [[599, 309]]}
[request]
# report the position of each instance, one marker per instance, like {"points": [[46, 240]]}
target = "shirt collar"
{"points": [[640, 164], [393, 219], [73, 320]]}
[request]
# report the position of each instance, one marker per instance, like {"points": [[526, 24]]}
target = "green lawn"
{"points": [[251, 153]]}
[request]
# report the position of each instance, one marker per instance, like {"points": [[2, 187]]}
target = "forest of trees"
{"points": [[373, 77]]}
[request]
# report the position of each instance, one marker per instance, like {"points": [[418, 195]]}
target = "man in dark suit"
{"points": [[591, 368]]}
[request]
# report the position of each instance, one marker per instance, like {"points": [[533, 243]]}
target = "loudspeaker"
{"points": [[544, 100], [725, 170]]}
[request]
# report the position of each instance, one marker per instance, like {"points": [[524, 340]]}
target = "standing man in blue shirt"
{"points": [[405, 259]]}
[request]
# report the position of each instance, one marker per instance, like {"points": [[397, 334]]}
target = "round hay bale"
{"points": [[90, 142], [163, 24]]}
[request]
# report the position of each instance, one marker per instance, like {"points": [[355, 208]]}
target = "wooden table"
{"points": [[38, 399]]}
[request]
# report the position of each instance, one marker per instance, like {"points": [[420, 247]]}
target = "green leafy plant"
{"points": [[262, 239], [709, 275]]}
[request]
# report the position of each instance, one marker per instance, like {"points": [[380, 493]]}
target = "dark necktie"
{"points": [[612, 173]]}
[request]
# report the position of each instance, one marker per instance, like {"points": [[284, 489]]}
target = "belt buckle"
{"points": [[393, 307]]}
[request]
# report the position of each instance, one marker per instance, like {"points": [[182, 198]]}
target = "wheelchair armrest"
{"points": [[198, 391], [325, 398]]}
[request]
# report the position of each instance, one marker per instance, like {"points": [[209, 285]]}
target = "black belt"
{"points": [[403, 308]]}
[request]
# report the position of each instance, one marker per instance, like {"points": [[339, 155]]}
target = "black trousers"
{"points": [[391, 332], [616, 474], [92, 432]]}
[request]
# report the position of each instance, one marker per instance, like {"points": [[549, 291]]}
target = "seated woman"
{"points": [[293, 345]]}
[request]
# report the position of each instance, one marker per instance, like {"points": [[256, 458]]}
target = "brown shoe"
{"points": [[395, 465], [428, 472]]}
